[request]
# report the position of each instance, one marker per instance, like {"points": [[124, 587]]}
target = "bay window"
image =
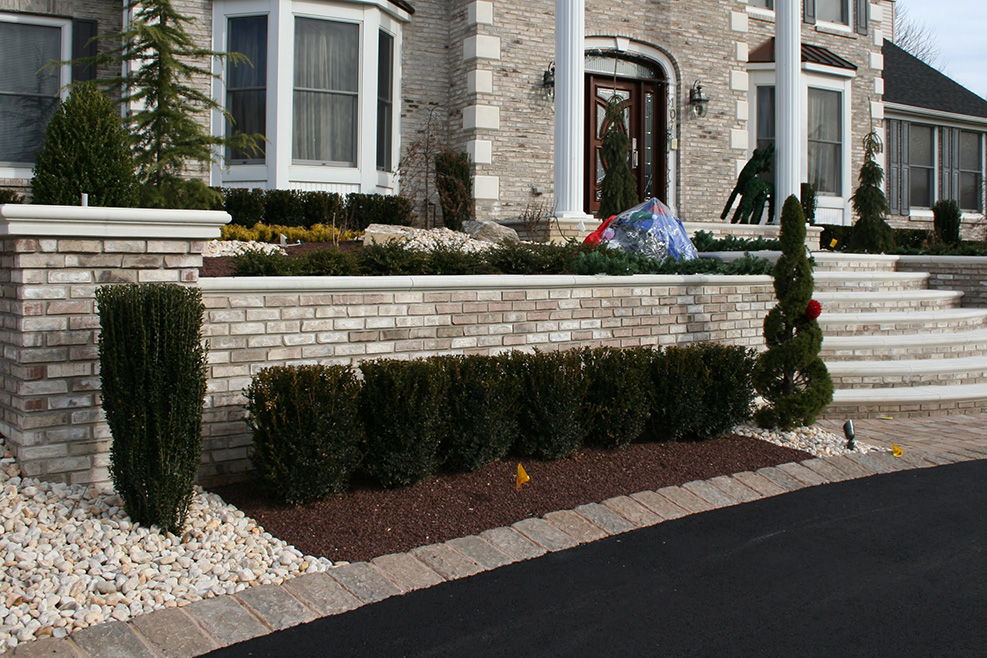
{"points": [[385, 100]]}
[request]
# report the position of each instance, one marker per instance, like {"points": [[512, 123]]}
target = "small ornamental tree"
{"points": [[169, 113], [85, 150], [618, 189], [946, 221], [871, 234], [789, 375], [455, 184]]}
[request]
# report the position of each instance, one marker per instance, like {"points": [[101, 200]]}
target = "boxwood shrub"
{"points": [[552, 418], [618, 402], [306, 430]]}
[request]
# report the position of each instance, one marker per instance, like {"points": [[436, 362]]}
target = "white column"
{"points": [[790, 137], [570, 24]]}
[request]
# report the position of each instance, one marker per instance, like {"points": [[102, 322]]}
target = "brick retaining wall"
{"points": [[965, 273]]}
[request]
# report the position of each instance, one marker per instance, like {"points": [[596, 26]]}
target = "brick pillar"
{"points": [[53, 259]]}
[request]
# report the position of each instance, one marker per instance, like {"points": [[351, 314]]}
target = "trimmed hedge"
{"points": [[464, 412], [306, 429], [305, 208]]}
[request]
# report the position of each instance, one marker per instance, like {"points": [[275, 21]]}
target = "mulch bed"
{"points": [[368, 522], [223, 265]]}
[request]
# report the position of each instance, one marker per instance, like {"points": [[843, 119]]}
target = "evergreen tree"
{"points": [[85, 150], [789, 375], [162, 64], [871, 234], [618, 189]]}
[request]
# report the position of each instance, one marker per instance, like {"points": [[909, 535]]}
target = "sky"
{"points": [[960, 30]]}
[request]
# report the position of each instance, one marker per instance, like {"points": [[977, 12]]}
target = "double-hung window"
{"points": [[971, 163], [921, 165], [385, 100], [246, 83], [327, 78], [29, 87], [833, 11], [825, 140]]}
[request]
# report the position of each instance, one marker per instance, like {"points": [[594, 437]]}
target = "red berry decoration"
{"points": [[813, 310]]}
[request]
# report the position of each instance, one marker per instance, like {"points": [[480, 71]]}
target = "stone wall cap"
{"points": [[944, 260], [288, 284], [29, 220]]}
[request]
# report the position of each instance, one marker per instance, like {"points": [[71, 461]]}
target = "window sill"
{"points": [[761, 14], [836, 29]]}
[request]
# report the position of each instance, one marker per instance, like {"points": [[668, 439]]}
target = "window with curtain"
{"points": [[766, 124], [29, 92], [246, 83], [326, 85], [833, 11], [971, 161], [921, 165], [385, 100], [825, 140]]}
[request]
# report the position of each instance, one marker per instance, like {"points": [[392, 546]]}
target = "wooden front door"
{"points": [[644, 118]]}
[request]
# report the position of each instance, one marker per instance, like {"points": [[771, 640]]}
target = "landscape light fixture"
{"points": [[848, 433], [698, 100], [548, 80]]}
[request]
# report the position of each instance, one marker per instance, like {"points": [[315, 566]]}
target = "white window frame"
{"points": [[280, 171], [936, 168], [23, 170], [820, 77], [834, 25]]}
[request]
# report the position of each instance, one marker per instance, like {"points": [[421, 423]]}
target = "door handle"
{"points": [[634, 153]]}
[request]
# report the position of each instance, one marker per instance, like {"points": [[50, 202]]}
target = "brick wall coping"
{"points": [[41, 221], [767, 231], [290, 284], [944, 260]]}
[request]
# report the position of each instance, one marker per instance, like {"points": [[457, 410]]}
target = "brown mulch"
{"points": [[223, 265], [368, 522]]}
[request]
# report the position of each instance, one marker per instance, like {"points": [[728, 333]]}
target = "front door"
{"points": [[644, 119]]}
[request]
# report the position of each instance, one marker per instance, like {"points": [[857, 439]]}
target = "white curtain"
{"points": [[825, 146], [28, 91], [327, 64]]}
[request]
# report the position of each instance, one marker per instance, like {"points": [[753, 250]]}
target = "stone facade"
{"points": [[965, 273]]}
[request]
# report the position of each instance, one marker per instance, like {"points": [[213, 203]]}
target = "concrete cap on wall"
{"points": [[28, 220]]}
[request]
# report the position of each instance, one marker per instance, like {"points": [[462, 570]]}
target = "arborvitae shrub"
{"points": [[789, 375], [454, 180], [362, 210], [728, 398], [481, 406], [871, 234], [85, 150], [553, 423], [946, 219], [152, 370], [403, 418], [618, 189], [618, 401], [808, 201], [306, 429], [246, 207]]}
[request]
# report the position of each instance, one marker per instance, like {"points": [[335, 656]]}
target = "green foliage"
{"points": [[85, 150], [257, 263], [618, 189], [246, 207], [911, 238], [946, 218], [284, 207], [163, 65], [614, 262], [10, 196], [452, 261], [454, 180], [481, 408], [152, 371], [618, 401], [362, 210], [324, 208], [789, 375], [328, 262], [306, 430], [871, 234], [699, 391], [533, 258], [808, 201], [391, 259], [552, 404], [705, 241], [403, 419]]}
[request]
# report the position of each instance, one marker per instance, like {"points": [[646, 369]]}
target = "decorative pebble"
{"points": [[72, 558], [813, 440], [216, 248]]}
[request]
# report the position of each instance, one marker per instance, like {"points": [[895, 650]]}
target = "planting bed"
{"points": [[368, 522]]}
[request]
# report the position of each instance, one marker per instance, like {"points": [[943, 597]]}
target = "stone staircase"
{"points": [[893, 347]]}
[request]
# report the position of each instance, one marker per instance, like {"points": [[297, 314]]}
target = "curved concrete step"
{"points": [[908, 372], [909, 401], [883, 301], [907, 346], [862, 281], [903, 322], [831, 261]]}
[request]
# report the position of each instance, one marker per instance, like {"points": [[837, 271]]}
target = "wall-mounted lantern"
{"points": [[548, 80], [698, 100]]}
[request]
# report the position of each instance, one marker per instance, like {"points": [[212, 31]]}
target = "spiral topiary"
{"points": [[789, 375]]}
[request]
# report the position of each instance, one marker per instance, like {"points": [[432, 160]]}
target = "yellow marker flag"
{"points": [[885, 417], [522, 476], [896, 450], [832, 243]]}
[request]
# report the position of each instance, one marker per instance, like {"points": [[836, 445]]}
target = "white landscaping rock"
{"points": [[491, 232], [72, 558], [815, 441], [216, 248]]}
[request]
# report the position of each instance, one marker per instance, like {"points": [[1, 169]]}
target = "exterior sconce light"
{"points": [[548, 80], [851, 444], [698, 100]]}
